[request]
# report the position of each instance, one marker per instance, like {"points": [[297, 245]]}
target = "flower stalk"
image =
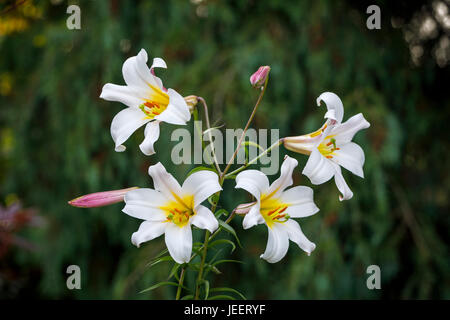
{"points": [[255, 108]]}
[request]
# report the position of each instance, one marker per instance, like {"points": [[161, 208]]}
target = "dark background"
{"points": [[55, 142]]}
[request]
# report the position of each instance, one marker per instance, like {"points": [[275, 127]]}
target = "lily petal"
{"points": [[303, 144], [285, 179], [145, 204], [277, 244], [164, 182], [253, 217], [204, 219], [124, 124], [202, 184], [346, 131], [351, 157], [151, 134], [318, 168], [341, 184], [300, 202], [123, 94], [179, 242], [296, 235], [177, 112], [334, 106], [136, 72], [158, 63], [148, 230], [253, 181]]}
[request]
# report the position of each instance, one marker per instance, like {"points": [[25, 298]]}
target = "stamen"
{"points": [[282, 210]]}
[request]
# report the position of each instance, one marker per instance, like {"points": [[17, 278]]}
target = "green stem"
{"points": [[205, 250], [202, 264], [245, 129], [208, 235], [180, 283], [214, 234], [208, 126], [276, 144]]}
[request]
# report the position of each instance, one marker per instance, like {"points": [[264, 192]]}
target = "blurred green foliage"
{"points": [[55, 144]]}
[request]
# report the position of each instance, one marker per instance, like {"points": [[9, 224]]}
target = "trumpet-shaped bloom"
{"points": [[331, 147], [171, 209], [275, 206], [147, 101]]}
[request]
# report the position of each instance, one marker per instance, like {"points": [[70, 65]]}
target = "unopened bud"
{"points": [[259, 77], [191, 102], [244, 208], [100, 199]]}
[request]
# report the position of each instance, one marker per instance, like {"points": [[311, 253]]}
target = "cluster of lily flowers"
{"points": [[171, 209]]}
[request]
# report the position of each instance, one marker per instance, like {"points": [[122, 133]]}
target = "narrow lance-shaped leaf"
{"points": [[230, 229]]}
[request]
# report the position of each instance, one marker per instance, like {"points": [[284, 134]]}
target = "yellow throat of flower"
{"points": [[273, 210], [327, 147], [179, 211], [156, 103]]}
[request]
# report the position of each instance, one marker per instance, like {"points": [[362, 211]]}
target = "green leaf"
{"points": [[214, 199], [215, 256], [230, 229], [197, 250], [175, 268], [212, 128], [188, 297], [159, 255], [206, 284], [194, 266], [197, 244], [160, 284], [221, 241], [225, 289], [221, 212], [222, 297], [215, 270], [200, 168], [226, 260], [157, 261], [252, 143]]}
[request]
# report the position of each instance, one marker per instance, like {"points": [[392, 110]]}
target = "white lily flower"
{"points": [[276, 207], [147, 100], [171, 209], [331, 147]]}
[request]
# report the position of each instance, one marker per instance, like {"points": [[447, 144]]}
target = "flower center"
{"points": [[152, 109], [156, 103], [327, 147], [179, 211], [273, 210]]}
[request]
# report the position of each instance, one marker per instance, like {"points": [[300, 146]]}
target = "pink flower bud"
{"points": [[259, 77], [100, 199], [244, 208]]}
